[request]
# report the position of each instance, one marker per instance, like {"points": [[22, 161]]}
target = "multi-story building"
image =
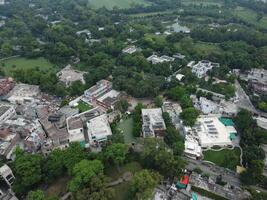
{"points": [[153, 122], [202, 67], [6, 112], [6, 84], [101, 87], [258, 80]]}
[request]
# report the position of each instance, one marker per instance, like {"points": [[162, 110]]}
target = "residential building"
{"points": [[109, 99], [8, 141], [77, 125], [192, 148], [23, 94], [154, 59], [212, 130], [130, 49], [6, 112], [101, 87], [6, 85], [34, 141], [84, 32], [258, 80], [202, 67], [174, 110], [7, 174], [153, 122], [207, 106], [69, 75], [98, 129]]}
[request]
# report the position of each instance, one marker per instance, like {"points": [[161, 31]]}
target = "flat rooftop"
{"points": [[4, 109], [211, 131]]}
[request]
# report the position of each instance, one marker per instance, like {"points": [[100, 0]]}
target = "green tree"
{"points": [[36, 195], [83, 172], [27, 169], [143, 184], [122, 105], [116, 153], [189, 116], [158, 101]]}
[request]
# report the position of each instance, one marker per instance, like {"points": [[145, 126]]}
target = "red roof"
{"points": [[184, 180]]}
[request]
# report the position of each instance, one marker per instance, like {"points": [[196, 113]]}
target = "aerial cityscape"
{"points": [[133, 100]]}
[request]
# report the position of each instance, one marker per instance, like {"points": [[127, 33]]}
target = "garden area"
{"points": [[109, 4], [225, 158], [24, 63], [82, 106], [126, 125]]}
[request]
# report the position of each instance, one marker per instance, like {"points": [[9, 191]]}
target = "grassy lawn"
{"points": [[225, 158], [58, 187], [109, 4], [18, 63], [206, 49], [82, 106], [122, 190], [250, 16], [126, 125]]}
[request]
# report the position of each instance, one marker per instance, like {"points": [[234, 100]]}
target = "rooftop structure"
{"points": [[130, 49], [174, 110], [23, 93], [153, 122], [98, 129], [6, 85], [94, 92], [207, 106], [212, 131], [192, 148], [76, 125], [8, 142], [7, 174], [154, 59], [86, 32], [202, 67], [258, 80], [69, 75], [109, 99], [6, 112], [179, 77]]}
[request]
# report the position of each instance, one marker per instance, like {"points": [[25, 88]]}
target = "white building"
{"points": [[202, 67], [101, 87], [154, 59], [130, 49], [153, 122], [98, 129], [192, 148], [109, 99], [86, 32], [7, 174], [210, 131], [6, 112], [207, 106], [23, 93]]}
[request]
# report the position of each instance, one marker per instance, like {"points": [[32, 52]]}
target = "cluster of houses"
{"points": [[35, 121]]}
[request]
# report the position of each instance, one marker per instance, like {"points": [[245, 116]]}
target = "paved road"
{"points": [[229, 176]]}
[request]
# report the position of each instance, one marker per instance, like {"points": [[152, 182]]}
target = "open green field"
{"points": [[251, 17], [19, 63], [126, 125], [224, 158], [109, 4], [82, 106]]}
